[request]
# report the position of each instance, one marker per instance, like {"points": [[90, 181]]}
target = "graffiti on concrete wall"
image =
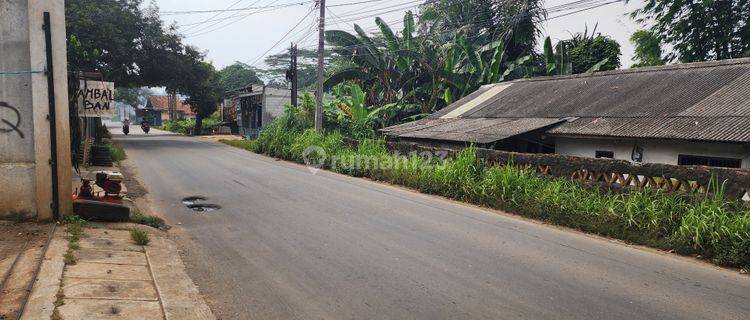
{"points": [[10, 121]]}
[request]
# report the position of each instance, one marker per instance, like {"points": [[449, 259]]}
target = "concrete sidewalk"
{"points": [[114, 278]]}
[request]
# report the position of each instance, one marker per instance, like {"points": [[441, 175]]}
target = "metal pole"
{"points": [[55, 205], [293, 72], [321, 48]]}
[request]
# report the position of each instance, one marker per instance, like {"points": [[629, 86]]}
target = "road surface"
{"points": [[288, 244]]}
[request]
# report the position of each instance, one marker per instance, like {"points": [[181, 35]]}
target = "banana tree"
{"points": [[468, 67], [384, 67]]}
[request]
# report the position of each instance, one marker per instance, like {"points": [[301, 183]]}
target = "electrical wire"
{"points": [[218, 14], [283, 37]]}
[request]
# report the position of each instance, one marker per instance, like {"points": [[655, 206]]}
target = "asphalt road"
{"points": [[288, 244]]}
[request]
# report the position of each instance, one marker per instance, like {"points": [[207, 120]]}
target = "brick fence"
{"points": [[607, 172]]}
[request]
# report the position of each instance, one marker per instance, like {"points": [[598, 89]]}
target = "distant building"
{"points": [[255, 106], [684, 114], [157, 111]]}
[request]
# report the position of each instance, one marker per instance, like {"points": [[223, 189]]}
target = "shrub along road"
{"points": [[290, 244]]}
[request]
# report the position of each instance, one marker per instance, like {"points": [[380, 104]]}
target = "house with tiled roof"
{"points": [[157, 110], [685, 114]]}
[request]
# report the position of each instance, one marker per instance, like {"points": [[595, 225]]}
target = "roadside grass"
{"points": [[242, 144], [139, 236], [711, 226], [75, 227], [151, 221], [116, 152], [187, 126]]}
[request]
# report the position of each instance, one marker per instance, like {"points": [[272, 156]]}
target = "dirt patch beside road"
{"points": [[21, 248]]}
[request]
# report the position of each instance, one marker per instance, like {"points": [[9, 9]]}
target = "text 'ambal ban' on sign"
{"points": [[96, 99]]}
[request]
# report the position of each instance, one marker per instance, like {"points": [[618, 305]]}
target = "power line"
{"points": [[203, 30], [559, 8], [218, 14], [283, 37], [186, 12]]}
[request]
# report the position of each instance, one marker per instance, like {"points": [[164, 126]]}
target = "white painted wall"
{"points": [[25, 171], [274, 102], [654, 151]]}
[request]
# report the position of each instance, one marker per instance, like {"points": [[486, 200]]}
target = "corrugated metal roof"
{"points": [[477, 130], [698, 101], [726, 129]]}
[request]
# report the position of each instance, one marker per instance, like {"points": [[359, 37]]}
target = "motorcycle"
{"points": [[145, 127], [126, 129]]}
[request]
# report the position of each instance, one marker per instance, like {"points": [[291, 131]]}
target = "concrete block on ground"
{"points": [[112, 309], [108, 271], [107, 243], [109, 289], [101, 211], [111, 256]]}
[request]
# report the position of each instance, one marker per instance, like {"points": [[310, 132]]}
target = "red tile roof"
{"points": [[161, 103]]}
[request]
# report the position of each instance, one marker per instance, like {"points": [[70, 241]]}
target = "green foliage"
{"points": [[139, 236], [592, 52], [242, 144], [116, 152], [517, 22], [237, 75], [648, 51], [307, 63], [69, 258], [711, 226], [187, 126], [699, 30], [151, 221], [124, 41]]}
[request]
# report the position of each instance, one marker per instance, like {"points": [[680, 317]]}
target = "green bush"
{"points": [[243, 144], [187, 126], [713, 227], [116, 152], [139, 236]]}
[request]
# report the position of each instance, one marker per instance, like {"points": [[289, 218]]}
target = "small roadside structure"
{"points": [[256, 105], [684, 114], [157, 110]]}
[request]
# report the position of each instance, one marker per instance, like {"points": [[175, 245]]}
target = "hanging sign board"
{"points": [[96, 99]]}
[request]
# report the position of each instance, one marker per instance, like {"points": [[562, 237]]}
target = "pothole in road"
{"points": [[193, 200], [204, 207], [195, 203]]}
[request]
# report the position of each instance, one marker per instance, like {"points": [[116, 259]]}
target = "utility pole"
{"points": [[292, 76], [321, 48]]}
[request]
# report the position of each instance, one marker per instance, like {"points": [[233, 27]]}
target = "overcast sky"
{"points": [[240, 36]]}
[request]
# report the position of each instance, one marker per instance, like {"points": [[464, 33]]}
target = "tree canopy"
{"points": [[586, 51], [238, 75], [700, 30], [648, 51]]}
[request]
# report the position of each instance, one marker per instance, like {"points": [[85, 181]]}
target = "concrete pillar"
{"points": [[25, 148]]}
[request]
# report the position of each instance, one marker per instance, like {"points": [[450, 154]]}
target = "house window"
{"points": [[690, 160], [605, 154]]}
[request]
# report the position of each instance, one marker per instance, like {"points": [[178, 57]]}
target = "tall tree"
{"points": [[126, 43], [307, 63], [238, 75], [648, 51], [700, 30], [515, 22], [203, 88]]}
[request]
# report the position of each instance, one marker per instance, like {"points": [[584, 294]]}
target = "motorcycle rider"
{"points": [[145, 126], [126, 126]]}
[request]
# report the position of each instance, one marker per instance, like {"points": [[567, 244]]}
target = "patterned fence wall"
{"points": [[608, 172]]}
